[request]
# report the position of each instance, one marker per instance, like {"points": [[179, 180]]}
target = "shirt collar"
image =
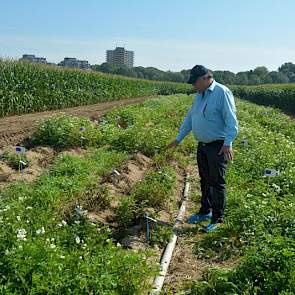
{"points": [[212, 86]]}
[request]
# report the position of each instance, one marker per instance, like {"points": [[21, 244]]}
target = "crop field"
{"points": [[27, 88], [277, 95], [78, 226]]}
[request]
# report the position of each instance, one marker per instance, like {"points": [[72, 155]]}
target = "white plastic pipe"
{"points": [[167, 255]]}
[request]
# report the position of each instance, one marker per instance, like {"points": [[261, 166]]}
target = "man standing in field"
{"points": [[212, 119]]}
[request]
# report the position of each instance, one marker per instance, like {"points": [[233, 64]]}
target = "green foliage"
{"points": [[45, 246], [97, 197], [15, 160], [148, 73], [160, 235], [126, 212], [259, 224], [43, 254], [27, 87], [260, 75], [155, 190], [266, 269], [145, 128], [65, 131], [280, 96]]}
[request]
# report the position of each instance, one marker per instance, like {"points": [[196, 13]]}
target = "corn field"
{"points": [[27, 88]]}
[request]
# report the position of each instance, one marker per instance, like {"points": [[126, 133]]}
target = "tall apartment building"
{"points": [[120, 56]]}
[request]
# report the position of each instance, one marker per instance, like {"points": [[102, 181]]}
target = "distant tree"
{"points": [[185, 74], [218, 76], [224, 77], [242, 78], [125, 71], [229, 77], [253, 79], [292, 78], [174, 76], [261, 72], [260, 75], [278, 77], [287, 69], [268, 79], [105, 68]]}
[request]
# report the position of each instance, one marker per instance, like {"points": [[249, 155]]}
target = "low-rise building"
{"points": [[72, 62], [33, 58]]}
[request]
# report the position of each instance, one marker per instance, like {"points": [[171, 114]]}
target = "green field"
{"points": [[281, 96], [28, 88], [47, 249]]}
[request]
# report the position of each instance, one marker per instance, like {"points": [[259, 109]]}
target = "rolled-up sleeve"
{"points": [[229, 117], [185, 127]]}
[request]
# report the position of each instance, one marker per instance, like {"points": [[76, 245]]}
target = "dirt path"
{"points": [[15, 128], [185, 266]]}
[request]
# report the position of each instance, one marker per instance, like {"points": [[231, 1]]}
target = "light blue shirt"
{"points": [[212, 116]]}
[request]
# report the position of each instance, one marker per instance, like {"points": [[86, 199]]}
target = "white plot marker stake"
{"points": [[245, 142], [270, 172], [115, 176], [20, 150]]}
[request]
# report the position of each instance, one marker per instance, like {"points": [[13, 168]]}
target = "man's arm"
{"points": [[229, 117], [184, 130], [185, 127], [231, 124]]}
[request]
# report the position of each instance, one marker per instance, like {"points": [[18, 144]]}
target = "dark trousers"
{"points": [[212, 169]]}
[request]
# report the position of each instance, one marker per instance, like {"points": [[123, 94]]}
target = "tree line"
{"points": [[260, 75]]}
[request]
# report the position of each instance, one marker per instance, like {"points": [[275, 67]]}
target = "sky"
{"points": [[232, 35]]}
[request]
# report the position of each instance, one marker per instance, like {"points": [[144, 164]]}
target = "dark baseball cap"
{"points": [[196, 72]]}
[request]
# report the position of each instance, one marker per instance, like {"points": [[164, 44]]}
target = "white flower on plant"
{"points": [[78, 240], [52, 246], [62, 257], [40, 231], [29, 208], [63, 223], [22, 234], [7, 207], [18, 218]]}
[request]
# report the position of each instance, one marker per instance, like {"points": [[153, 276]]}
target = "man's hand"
{"points": [[172, 144], [227, 152]]}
